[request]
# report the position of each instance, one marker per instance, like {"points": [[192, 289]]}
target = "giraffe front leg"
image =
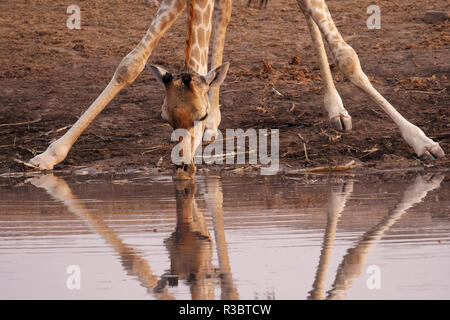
{"points": [[222, 16], [349, 65], [423, 146], [127, 71], [337, 114]]}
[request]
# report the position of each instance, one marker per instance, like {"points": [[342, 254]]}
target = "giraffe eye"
{"points": [[204, 117]]}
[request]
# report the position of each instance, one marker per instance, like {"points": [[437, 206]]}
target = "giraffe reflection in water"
{"points": [[191, 245], [352, 263]]}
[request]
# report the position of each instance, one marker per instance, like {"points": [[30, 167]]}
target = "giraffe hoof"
{"points": [[42, 162], [433, 153], [55, 153], [341, 122]]}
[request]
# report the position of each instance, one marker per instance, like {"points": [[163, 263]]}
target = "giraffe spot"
{"points": [[201, 37], [331, 26], [336, 37], [195, 54], [207, 16], [320, 16], [316, 4]]}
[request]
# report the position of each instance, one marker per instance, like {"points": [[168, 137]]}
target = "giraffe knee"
{"points": [[129, 69], [350, 66], [348, 61]]}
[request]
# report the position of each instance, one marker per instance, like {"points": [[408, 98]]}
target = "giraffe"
{"points": [[187, 101], [193, 95]]}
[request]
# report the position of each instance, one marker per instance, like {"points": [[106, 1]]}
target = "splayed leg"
{"points": [[127, 71]]}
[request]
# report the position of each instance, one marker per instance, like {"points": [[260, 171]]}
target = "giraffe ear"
{"points": [[162, 75], [216, 76]]}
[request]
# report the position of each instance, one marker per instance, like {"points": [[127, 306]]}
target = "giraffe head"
{"points": [[186, 106]]}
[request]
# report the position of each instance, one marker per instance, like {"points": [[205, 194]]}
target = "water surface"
{"points": [[141, 236]]}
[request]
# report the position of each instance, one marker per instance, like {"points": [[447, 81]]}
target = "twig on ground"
{"points": [[55, 131], [350, 165], [25, 163], [427, 92], [20, 123], [306, 153], [151, 149]]}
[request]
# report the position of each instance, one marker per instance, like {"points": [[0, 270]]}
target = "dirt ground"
{"points": [[49, 76]]}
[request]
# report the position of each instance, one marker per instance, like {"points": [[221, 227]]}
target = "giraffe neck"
{"points": [[198, 34]]}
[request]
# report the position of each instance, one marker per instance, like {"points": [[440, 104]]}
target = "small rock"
{"points": [[228, 101], [433, 16], [277, 65], [296, 60]]}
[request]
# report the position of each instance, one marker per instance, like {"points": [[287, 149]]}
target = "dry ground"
{"points": [[51, 74]]}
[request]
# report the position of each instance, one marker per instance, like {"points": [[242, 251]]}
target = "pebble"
{"points": [[433, 16]]}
